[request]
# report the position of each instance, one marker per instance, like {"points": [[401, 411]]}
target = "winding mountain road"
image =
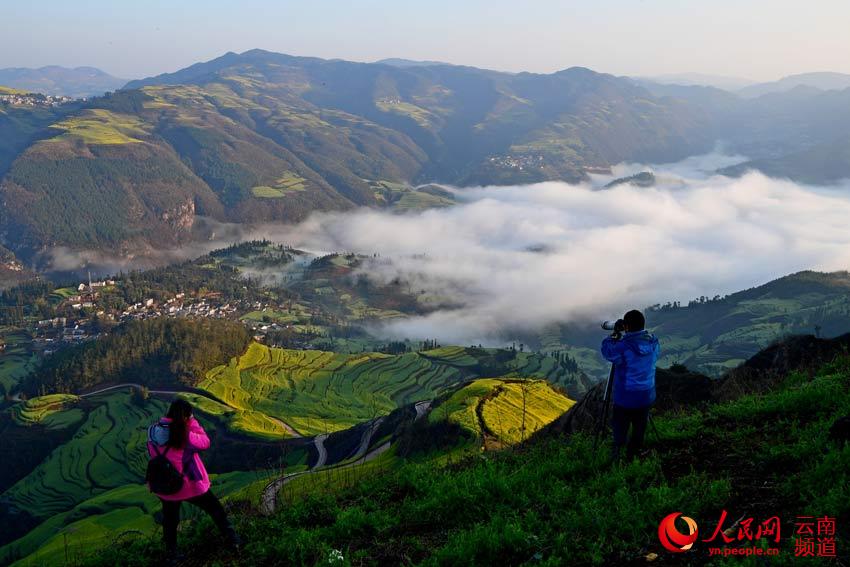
{"points": [[421, 409], [268, 499], [319, 442]]}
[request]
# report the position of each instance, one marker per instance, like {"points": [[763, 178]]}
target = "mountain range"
{"points": [[262, 136], [79, 82]]}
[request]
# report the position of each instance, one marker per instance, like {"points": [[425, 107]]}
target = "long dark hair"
{"points": [[179, 412]]}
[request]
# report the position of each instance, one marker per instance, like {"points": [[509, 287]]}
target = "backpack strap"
{"points": [[158, 454]]}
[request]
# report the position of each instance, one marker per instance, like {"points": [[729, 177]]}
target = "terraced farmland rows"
{"points": [[316, 392], [106, 452], [101, 520], [319, 392], [505, 415], [493, 408], [52, 410]]}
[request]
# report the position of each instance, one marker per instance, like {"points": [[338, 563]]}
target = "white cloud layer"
{"points": [[524, 257]]}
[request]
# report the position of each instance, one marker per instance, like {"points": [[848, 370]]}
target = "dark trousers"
{"points": [[206, 502], [621, 419]]}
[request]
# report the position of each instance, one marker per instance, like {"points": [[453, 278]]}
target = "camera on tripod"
{"points": [[617, 327]]}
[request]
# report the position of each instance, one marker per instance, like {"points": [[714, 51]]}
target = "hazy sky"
{"points": [[758, 39]]}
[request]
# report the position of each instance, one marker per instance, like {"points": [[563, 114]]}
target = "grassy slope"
{"points": [[556, 501], [117, 515]]}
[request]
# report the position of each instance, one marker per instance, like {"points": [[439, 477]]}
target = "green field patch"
{"points": [[288, 183], [502, 407], [60, 294], [54, 411], [246, 422], [11, 91], [98, 126], [421, 116]]}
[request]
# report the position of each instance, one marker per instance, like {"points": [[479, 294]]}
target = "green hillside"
{"points": [[559, 501], [713, 335], [268, 137]]}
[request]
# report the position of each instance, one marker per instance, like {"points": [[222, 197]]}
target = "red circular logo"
{"points": [[674, 540]]}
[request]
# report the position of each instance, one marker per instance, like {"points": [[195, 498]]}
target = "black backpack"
{"points": [[161, 476]]}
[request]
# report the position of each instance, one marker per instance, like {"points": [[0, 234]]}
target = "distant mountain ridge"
{"points": [[263, 136], [825, 81], [79, 82], [269, 137]]}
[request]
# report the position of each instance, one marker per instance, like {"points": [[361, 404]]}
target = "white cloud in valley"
{"points": [[522, 257], [527, 256]]}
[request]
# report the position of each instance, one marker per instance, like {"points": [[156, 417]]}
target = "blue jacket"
{"points": [[634, 357]]}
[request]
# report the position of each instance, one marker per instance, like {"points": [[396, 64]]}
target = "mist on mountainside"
{"points": [[526, 256]]}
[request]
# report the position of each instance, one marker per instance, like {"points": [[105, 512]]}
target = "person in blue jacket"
{"points": [[634, 353]]}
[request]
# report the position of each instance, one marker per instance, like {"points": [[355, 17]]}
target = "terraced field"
{"points": [[110, 517], [497, 409], [98, 126], [318, 392], [245, 421], [289, 182], [531, 404], [55, 411], [105, 453]]}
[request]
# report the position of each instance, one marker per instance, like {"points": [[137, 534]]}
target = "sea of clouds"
{"points": [[527, 256], [522, 257]]}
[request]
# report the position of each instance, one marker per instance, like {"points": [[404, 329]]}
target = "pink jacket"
{"points": [[186, 460]]}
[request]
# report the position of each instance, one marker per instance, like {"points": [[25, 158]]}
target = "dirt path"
{"points": [[367, 438], [422, 408], [268, 500], [319, 442]]}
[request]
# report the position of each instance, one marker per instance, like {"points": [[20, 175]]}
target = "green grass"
{"points": [[558, 501], [16, 361], [61, 294], [98, 126]]}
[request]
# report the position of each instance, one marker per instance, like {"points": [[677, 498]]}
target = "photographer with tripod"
{"points": [[633, 352]]}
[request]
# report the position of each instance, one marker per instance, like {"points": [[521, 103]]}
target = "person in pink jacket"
{"points": [[181, 438]]}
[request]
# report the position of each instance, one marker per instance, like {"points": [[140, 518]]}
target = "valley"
{"points": [[289, 420], [379, 282]]}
